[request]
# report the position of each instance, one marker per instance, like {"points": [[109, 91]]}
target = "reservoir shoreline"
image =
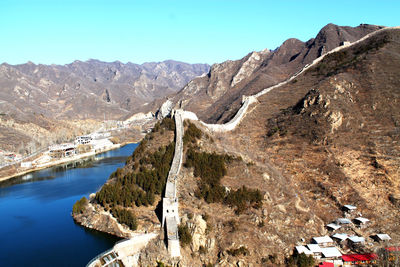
{"points": [[36, 211], [63, 161]]}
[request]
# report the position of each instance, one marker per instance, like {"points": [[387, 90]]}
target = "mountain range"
{"points": [[327, 138], [38, 100]]}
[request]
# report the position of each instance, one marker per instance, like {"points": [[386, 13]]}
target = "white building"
{"points": [[344, 223], [333, 226], [303, 249], [323, 241], [316, 250], [62, 150], [26, 164], [356, 240], [340, 237], [361, 222], [331, 253], [349, 208], [382, 237], [83, 140]]}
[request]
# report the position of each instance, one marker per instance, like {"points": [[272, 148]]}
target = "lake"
{"points": [[36, 227]]}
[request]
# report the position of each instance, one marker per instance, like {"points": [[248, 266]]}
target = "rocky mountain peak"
{"points": [[217, 96]]}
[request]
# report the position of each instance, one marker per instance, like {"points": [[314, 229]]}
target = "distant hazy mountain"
{"points": [[40, 104], [90, 89]]}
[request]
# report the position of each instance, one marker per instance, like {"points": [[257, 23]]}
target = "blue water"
{"points": [[36, 227]]}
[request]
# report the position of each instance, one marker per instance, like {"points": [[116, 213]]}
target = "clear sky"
{"points": [[206, 31]]}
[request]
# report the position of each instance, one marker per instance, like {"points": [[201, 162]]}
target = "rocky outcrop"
{"points": [[94, 217], [249, 66], [165, 109]]}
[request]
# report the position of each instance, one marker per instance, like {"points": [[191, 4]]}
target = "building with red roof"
{"points": [[326, 264], [359, 259], [392, 249]]}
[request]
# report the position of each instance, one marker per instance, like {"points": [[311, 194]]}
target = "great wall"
{"points": [[170, 216]]}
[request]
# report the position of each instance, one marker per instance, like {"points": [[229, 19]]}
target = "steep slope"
{"points": [[328, 138], [331, 137], [216, 97]]}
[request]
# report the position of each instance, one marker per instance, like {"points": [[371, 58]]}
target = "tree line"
{"points": [[139, 185], [210, 167]]}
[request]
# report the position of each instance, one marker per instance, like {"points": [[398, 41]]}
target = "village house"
{"points": [[382, 237], [316, 250], [341, 239], [359, 259], [361, 222], [323, 241], [333, 226], [326, 264], [303, 249], [26, 164], [349, 208], [344, 223], [356, 241], [83, 140], [62, 151], [331, 253]]}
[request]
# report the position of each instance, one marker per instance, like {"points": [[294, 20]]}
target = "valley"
{"points": [[282, 157]]}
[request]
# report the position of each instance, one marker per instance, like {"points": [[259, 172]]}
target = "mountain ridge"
{"points": [[219, 101], [311, 145], [50, 97]]}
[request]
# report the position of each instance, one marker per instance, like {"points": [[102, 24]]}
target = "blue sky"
{"points": [[207, 31]]}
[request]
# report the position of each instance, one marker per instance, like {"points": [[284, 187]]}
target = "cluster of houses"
{"points": [[328, 250], [94, 142]]}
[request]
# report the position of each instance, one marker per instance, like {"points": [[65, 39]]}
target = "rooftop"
{"points": [[361, 219], [356, 239], [350, 207], [343, 221], [314, 248], [383, 236], [322, 239], [359, 257], [331, 252], [341, 236], [333, 226], [61, 146], [326, 264], [303, 249]]}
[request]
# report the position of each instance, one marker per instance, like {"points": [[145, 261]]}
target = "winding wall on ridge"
{"points": [[170, 217], [170, 201], [248, 100]]}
